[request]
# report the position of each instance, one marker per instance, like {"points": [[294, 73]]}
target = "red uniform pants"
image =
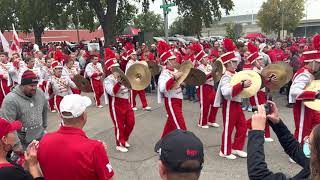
{"points": [[260, 99], [4, 90], [175, 118], [304, 120], [142, 95], [97, 88], [233, 117], [57, 101], [123, 119], [208, 113]]}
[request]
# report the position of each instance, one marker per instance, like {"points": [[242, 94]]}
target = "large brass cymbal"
{"points": [[314, 104], [275, 76], [139, 76], [247, 75], [82, 83], [124, 80], [317, 76], [185, 68], [154, 68], [288, 69], [195, 77], [217, 70]]}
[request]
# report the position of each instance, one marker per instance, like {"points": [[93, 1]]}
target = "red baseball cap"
{"points": [[7, 127]]}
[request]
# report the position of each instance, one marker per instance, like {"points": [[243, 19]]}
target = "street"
{"points": [[141, 162]]}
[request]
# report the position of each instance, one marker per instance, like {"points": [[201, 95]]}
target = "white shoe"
{"points": [[291, 160], [268, 140], [216, 125], [122, 149], [53, 111], [204, 127], [231, 156], [147, 108], [239, 153], [100, 106], [135, 109], [127, 145]]}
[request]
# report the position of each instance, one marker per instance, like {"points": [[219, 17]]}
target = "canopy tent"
{"points": [[255, 36], [129, 30]]}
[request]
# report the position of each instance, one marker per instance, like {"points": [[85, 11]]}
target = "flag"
{"points": [[5, 43], [15, 46]]}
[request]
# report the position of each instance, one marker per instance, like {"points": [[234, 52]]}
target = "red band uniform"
{"points": [[95, 72], [4, 75]]}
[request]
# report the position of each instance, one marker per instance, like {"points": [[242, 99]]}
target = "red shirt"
{"points": [[69, 154], [277, 55]]}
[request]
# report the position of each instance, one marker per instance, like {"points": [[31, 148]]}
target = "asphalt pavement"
{"points": [[141, 162]]}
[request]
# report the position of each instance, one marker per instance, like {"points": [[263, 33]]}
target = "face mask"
{"points": [[306, 149]]}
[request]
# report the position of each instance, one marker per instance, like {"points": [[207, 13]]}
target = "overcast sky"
{"points": [[244, 7]]}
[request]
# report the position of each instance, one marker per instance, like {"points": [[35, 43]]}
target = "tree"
{"points": [[149, 22], [125, 14], [275, 15], [234, 31]]}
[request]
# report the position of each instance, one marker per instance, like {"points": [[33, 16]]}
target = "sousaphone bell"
{"points": [[247, 75], [139, 75]]}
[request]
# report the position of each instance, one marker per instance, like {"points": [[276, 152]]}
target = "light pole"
{"points": [[306, 23]]}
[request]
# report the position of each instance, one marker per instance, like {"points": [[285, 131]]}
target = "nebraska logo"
{"points": [[191, 152]]}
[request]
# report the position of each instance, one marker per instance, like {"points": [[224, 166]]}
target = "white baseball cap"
{"points": [[74, 104]]}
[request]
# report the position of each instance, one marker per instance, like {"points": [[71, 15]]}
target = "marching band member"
{"points": [[206, 92], [60, 85], [305, 118], [172, 96], [16, 69], [4, 75], [69, 70], [133, 93], [94, 71], [232, 113], [39, 61], [46, 75], [260, 98], [120, 109], [124, 56]]}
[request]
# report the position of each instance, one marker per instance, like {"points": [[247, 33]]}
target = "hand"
{"points": [[274, 113], [31, 153], [259, 119], [177, 75], [246, 83]]}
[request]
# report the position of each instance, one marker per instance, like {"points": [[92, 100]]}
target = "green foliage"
{"points": [[7, 14], [125, 14], [234, 31], [149, 22], [275, 12]]}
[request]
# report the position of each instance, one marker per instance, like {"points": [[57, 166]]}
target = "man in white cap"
{"points": [[74, 143]]}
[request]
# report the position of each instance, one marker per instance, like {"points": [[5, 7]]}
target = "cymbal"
{"points": [[275, 76], [185, 67], [195, 77], [139, 76], [217, 70], [288, 69], [247, 75], [125, 81], [144, 63], [317, 76], [313, 104], [154, 68], [82, 83]]}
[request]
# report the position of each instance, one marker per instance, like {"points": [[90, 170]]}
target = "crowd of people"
{"points": [[34, 82]]}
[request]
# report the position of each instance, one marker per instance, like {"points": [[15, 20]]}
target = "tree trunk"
{"points": [[110, 19], [37, 35], [279, 34]]}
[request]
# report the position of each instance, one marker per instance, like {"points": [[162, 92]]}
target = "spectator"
{"points": [[277, 54], [181, 156], [10, 170], [28, 104], [257, 167], [68, 153]]}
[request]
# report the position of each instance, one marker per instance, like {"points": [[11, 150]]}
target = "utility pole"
{"points": [[305, 27], [166, 9]]}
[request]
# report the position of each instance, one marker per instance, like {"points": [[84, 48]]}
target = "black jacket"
{"points": [[257, 167], [16, 172]]}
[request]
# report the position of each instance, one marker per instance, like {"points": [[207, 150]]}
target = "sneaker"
{"points": [[204, 127], [122, 149], [147, 108], [216, 125], [127, 145], [268, 140], [239, 153], [291, 160], [135, 109], [100, 106], [230, 156], [53, 111]]}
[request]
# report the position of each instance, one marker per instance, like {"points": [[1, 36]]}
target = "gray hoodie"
{"points": [[32, 112]]}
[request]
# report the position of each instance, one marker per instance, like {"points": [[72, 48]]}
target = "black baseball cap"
{"points": [[179, 146]]}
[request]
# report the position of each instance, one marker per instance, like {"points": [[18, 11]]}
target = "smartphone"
{"points": [[267, 107]]}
